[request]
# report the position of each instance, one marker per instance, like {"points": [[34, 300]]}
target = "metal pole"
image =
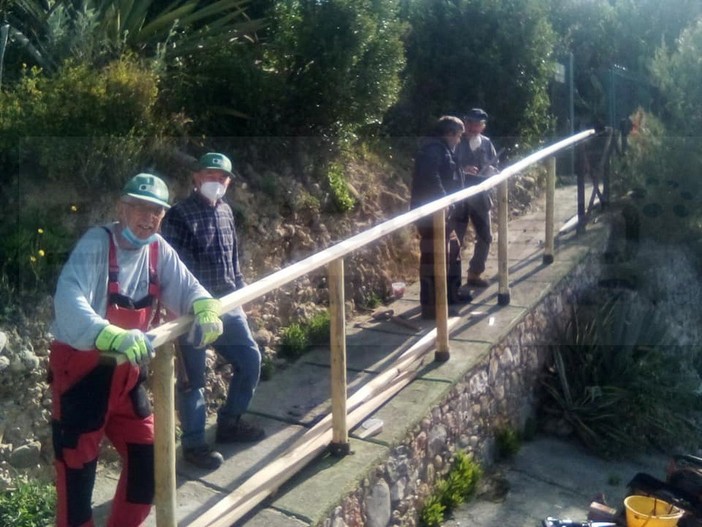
{"points": [[4, 33], [571, 109], [163, 367], [340, 445], [440, 285], [503, 296], [550, 209]]}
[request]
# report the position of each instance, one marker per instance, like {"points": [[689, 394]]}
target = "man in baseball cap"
{"points": [[107, 297], [478, 160], [201, 228]]}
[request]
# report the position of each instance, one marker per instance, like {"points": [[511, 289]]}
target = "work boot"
{"points": [[474, 280], [203, 457], [237, 430]]}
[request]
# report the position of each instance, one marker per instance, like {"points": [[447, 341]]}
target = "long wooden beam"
{"points": [[316, 439]]}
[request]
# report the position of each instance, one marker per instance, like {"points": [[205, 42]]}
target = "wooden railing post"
{"points": [[163, 367], [340, 434], [503, 296], [440, 286], [550, 209]]}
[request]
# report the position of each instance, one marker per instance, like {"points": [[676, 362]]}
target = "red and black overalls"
{"points": [[92, 399]]}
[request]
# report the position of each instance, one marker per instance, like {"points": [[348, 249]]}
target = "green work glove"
{"points": [[130, 342], [207, 326]]}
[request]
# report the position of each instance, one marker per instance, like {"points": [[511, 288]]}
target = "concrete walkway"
{"points": [[551, 477], [298, 397]]}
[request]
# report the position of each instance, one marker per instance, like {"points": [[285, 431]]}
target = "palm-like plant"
{"points": [[621, 383], [49, 31]]}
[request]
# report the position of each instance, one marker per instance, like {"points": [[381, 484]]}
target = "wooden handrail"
{"points": [[177, 327], [332, 256]]}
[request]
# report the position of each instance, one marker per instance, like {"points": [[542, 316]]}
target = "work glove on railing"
{"points": [[131, 343], [207, 326]]}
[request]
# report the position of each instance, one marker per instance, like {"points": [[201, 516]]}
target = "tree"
{"points": [[615, 38], [678, 74], [465, 53], [339, 61]]}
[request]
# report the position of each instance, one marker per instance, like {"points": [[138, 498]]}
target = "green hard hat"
{"points": [[147, 187], [216, 161]]}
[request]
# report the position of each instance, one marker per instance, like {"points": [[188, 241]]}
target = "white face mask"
{"points": [[474, 142], [212, 190]]}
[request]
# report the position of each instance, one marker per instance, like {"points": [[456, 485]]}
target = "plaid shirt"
{"points": [[205, 238]]}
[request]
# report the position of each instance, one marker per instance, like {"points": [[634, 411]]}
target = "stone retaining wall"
{"points": [[499, 392]]}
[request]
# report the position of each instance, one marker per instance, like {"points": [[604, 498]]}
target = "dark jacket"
{"points": [[435, 173]]}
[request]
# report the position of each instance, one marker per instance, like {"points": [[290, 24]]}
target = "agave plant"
{"points": [[49, 31], [620, 382]]}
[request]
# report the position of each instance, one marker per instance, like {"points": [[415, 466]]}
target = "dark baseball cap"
{"points": [[476, 114]]}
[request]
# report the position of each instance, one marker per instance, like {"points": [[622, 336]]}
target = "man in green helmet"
{"points": [[201, 228], [107, 297]]}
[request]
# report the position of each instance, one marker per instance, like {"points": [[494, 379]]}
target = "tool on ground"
{"points": [[389, 314], [555, 522]]}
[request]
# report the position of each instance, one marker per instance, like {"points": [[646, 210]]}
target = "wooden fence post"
{"points": [[340, 433], [550, 209], [503, 296], [163, 367], [441, 301]]}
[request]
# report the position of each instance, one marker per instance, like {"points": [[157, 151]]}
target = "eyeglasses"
{"points": [[146, 209]]}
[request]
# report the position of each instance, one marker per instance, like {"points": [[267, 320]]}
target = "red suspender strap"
{"points": [[113, 271]]}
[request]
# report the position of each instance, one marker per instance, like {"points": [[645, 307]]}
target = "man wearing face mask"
{"points": [[201, 229], [478, 161], [106, 297]]}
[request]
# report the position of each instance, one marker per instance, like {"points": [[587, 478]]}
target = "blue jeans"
{"points": [[238, 347]]}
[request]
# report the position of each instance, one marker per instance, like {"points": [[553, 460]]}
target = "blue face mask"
{"points": [[135, 240]]}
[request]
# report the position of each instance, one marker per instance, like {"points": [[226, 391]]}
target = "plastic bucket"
{"points": [[644, 511]]}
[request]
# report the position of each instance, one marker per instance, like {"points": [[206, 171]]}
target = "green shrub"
{"points": [[83, 126], [294, 341], [432, 514], [33, 249], [297, 338], [617, 380], [29, 504], [339, 62], [267, 368], [319, 328], [508, 442], [660, 171], [458, 486], [341, 197]]}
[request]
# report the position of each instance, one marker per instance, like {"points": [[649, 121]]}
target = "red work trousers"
{"points": [[92, 400]]}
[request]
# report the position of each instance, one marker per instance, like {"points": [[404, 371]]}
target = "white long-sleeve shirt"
{"points": [[80, 302]]}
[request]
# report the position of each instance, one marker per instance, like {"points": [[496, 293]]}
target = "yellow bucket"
{"points": [[644, 511]]}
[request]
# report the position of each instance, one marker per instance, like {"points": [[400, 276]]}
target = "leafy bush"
{"points": [[341, 197], [319, 328], [294, 341], [432, 514], [619, 383], [30, 504], [267, 368], [82, 126], [33, 252], [458, 485], [339, 60], [659, 173], [297, 338], [508, 442], [515, 94]]}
